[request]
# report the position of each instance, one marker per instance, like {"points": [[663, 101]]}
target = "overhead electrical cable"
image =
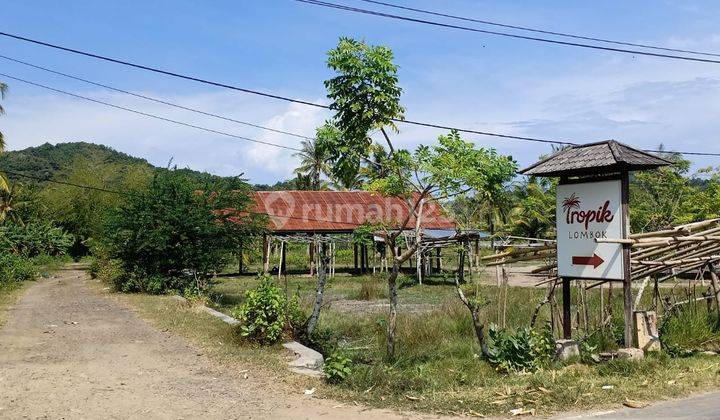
{"points": [[149, 98], [417, 123], [541, 31], [269, 95], [129, 194], [502, 34], [146, 114], [259, 126]]}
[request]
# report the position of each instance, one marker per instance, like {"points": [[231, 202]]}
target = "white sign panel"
{"points": [[584, 212]]}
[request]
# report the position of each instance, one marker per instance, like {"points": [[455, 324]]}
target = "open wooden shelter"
{"points": [[314, 217]]}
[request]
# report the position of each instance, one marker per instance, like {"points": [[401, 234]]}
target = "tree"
{"points": [[662, 198], [12, 204], [366, 96], [179, 230], [84, 212], [313, 159], [533, 214]]}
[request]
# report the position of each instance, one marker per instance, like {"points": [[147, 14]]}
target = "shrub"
{"points": [[263, 315], [33, 239], [16, 268], [524, 350], [179, 231], [337, 367]]}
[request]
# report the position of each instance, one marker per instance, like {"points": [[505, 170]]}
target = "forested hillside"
{"points": [[49, 161]]}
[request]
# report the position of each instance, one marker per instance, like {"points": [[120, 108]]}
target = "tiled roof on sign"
{"points": [[340, 211], [595, 158]]}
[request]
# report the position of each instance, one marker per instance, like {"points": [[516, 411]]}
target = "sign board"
{"points": [[586, 211]]}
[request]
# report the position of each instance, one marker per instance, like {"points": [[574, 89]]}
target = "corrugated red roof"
{"points": [[340, 211]]}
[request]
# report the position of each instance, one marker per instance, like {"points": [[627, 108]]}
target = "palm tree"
{"points": [[10, 205], [348, 180], [534, 211], [313, 162]]}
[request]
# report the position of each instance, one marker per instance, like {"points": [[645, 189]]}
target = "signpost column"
{"points": [[627, 282], [567, 314]]}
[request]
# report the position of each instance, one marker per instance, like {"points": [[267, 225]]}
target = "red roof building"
{"points": [[341, 211]]}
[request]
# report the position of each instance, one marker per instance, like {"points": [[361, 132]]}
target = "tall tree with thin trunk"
{"points": [[366, 97], [314, 159]]}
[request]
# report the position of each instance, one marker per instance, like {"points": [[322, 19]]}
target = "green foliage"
{"points": [[454, 164], [84, 212], [365, 95], [36, 238], [337, 367], [263, 315], [16, 268], [51, 161], [179, 231], [314, 159], [524, 350], [533, 214], [690, 329]]}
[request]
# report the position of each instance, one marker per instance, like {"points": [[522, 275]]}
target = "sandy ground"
{"points": [[68, 352]]}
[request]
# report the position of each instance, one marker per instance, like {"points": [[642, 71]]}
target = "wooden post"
{"points": [[355, 257], [627, 282], [266, 254], [437, 261], [283, 259], [240, 258], [715, 285], [567, 314], [311, 254], [364, 258]]}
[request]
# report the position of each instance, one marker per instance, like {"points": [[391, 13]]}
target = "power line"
{"points": [[129, 194], [160, 71], [298, 101], [267, 128], [149, 98], [418, 123], [503, 34], [146, 114], [269, 95], [524, 28]]}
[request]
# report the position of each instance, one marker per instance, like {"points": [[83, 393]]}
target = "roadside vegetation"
{"points": [[455, 344]]}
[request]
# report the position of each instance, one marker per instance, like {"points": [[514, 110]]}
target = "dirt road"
{"points": [[68, 352]]}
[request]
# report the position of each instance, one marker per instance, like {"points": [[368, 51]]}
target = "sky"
{"points": [[451, 77]]}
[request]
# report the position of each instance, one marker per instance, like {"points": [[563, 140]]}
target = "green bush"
{"points": [[33, 239], [337, 367], [178, 231], [16, 268], [524, 350], [263, 315]]}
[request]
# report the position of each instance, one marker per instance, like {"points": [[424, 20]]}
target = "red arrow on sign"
{"points": [[595, 260]]}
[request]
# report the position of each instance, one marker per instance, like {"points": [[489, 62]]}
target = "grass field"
{"points": [[437, 367]]}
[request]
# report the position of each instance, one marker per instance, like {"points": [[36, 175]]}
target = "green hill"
{"points": [[49, 161]]}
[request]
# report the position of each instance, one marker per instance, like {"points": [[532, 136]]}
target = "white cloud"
{"points": [[34, 119]]}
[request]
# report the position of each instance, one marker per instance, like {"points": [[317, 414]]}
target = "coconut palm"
{"points": [[10, 204], [313, 162]]}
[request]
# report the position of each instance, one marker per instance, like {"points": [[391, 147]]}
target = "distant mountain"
{"points": [[51, 161], [48, 161]]}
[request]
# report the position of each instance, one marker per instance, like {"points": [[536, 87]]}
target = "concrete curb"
{"points": [[309, 362]]}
